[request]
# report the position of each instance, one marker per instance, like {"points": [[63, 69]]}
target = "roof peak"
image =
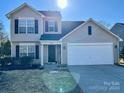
{"points": [[20, 7], [50, 13], [49, 10]]}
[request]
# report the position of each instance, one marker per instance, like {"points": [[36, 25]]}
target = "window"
{"points": [[31, 51], [23, 50], [26, 26], [30, 26], [27, 50], [51, 26], [22, 26], [89, 30]]}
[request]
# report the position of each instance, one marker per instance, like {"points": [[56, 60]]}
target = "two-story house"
{"points": [[45, 37]]}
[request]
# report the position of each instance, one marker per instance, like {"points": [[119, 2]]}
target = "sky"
{"points": [[105, 11]]}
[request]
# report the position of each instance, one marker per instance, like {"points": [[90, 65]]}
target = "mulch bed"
{"points": [[20, 67]]}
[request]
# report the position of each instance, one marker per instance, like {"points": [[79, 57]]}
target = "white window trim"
{"points": [[52, 32], [26, 50], [24, 44], [58, 31], [51, 26], [26, 18], [27, 44]]}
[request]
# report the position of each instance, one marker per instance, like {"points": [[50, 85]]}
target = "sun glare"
{"points": [[62, 4]]}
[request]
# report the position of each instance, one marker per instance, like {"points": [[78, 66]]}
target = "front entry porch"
{"points": [[51, 53]]}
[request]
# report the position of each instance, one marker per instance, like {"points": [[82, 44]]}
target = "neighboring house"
{"points": [[45, 37], [118, 29]]}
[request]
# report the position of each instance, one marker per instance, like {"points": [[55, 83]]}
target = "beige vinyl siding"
{"points": [[99, 35], [26, 12]]}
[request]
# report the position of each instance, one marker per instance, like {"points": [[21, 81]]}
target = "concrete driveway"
{"points": [[100, 78]]}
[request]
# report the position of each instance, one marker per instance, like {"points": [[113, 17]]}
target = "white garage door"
{"points": [[90, 54]]}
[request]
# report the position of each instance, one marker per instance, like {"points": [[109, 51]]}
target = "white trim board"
{"points": [[27, 43], [89, 44], [50, 42]]}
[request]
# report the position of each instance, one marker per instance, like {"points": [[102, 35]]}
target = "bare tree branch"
{"points": [[3, 35]]}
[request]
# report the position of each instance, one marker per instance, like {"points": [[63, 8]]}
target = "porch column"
{"points": [[61, 53], [42, 55]]}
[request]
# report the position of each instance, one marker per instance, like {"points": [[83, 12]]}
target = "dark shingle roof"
{"points": [[118, 29], [67, 26], [51, 13]]}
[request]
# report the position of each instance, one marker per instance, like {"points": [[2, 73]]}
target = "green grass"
{"points": [[36, 81], [23, 81], [62, 81]]}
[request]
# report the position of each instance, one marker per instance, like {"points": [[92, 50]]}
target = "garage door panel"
{"points": [[90, 54]]}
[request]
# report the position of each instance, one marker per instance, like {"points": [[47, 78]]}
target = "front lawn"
{"points": [[37, 81]]}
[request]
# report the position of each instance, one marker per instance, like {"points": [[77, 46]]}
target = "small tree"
{"points": [[3, 35], [6, 48], [4, 42]]}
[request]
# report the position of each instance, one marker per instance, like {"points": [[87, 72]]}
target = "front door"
{"points": [[51, 53]]}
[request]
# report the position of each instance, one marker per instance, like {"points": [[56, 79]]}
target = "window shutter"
{"points": [[36, 26], [56, 27], [37, 51], [17, 51], [46, 26], [16, 26]]}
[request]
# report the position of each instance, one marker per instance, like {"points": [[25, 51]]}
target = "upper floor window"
{"points": [[26, 26], [30, 26], [89, 30], [22, 26], [51, 26]]}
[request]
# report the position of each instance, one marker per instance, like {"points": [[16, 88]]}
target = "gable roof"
{"points": [[51, 13], [20, 7], [98, 24], [67, 27], [42, 13], [118, 29], [106, 29]]}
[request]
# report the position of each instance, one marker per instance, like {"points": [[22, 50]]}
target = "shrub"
{"points": [[6, 61], [122, 53], [5, 49], [15, 61], [26, 61]]}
